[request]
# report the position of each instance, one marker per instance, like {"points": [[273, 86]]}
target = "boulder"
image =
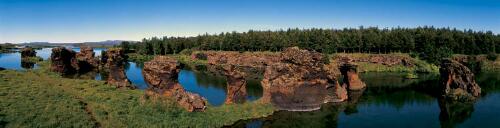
{"points": [[114, 57], [351, 78], [86, 58], [300, 82], [115, 64], [161, 71], [28, 52], [161, 75], [458, 82], [63, 61], [118, 78], [236, 85]]}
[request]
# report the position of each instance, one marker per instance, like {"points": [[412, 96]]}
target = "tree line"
{"points": [[426, 42]]}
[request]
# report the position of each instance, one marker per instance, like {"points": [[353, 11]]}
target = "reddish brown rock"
{"points": [[351, 78], [115, 64], [28, 52], [458, 82], [63, 61], [114, 57], [161, 71], [300, 82], [236, 85], [161, 75], [86, 58]]}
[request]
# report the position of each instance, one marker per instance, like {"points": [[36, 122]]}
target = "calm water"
{"points": [[388, 101], [212, 87], [391, 101]]}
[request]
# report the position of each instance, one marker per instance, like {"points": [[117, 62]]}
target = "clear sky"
{"points": [[97, 20]]}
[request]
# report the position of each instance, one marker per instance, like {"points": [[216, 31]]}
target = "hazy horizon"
{"points": [[74, 21]]}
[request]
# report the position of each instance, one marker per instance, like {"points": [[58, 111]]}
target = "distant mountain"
{"points": [[107, 43]]}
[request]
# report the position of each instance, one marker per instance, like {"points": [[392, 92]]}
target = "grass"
{"points": [[39, 98], [419, 65], [32, 59]]}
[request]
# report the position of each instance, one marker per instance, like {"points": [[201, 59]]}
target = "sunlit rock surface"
{"points": [[300, 82], [115, 64], [236, 85], [63, 61], [28, 52], [351, 77], [458, 82], [86, 58], [161, 75]]}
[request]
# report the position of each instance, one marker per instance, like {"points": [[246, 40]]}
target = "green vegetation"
{"points": [[6, 48], [411, 75], [39, 98], [32, 59], [428, 43], [419, 66]]}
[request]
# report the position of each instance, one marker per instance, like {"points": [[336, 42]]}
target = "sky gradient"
{"points": [[98, 20]]}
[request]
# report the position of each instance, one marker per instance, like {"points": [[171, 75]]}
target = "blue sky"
{"points": [[97, 20]]}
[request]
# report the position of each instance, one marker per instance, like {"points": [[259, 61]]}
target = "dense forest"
{"points": [[426, 42]]}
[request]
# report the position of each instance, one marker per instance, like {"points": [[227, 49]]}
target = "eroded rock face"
{"points": [[86, 58], [161, 75], [236, 85], [63, 61], [458, 82], [300, 82], [115, 64], [28, 52], [114, 57], [351, 78]]}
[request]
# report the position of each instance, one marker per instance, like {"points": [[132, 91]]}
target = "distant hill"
{"points": [[107, 43]]}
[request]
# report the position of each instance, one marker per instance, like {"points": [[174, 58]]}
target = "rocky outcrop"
{"points": [[457, 81], [236, 85], [63, 61], [351, 78], [113, 57], [161, 75], [28, 52], [384, 59], [115, 64], [242, 59], [86, 58], [300, 82]]}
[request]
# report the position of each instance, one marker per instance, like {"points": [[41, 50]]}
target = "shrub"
{"points": [[492, 56], [186, 52]]}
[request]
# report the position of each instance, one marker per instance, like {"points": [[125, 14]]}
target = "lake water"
{"points": [[388, 101], [212, 87], [391, 101]]}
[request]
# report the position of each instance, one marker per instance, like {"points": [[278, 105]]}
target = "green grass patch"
{"points": [[39, 98]]}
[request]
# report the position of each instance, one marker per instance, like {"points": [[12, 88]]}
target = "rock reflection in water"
{"points": [[453, 112]]}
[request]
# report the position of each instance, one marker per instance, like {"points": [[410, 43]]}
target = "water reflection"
{"points": [[393, 102]]}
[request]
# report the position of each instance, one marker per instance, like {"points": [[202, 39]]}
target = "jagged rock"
{"points": [[1, 68], [236, 85], [300, 82], [28, 52], [27, 64], [458, 82], [351, 78], [115, 63], [161, 71], [114, 57], [161, 75], [118, 78], [63, 61], [86, 58]]}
